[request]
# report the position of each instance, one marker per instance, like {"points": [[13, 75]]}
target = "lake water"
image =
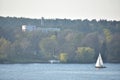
{"points": [[58, 72]]}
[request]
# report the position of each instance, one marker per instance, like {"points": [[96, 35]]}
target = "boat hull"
{"points": [[100, 67], [54, 61]]}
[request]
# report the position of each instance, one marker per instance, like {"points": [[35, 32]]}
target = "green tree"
{"points": [[114, 49], [92, 40], [4, 49], [108, 35], [48, 47], [85, 54]]}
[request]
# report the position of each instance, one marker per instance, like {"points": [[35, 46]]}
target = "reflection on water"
{"points": [[58, 72]]}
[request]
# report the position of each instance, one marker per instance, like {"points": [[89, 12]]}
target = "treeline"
{"points": [[78, 41]]}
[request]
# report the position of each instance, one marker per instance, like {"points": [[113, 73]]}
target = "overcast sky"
{"points": [[71, 9]]}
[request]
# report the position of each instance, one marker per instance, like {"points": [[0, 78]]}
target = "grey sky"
{"points": [[72, 9]]}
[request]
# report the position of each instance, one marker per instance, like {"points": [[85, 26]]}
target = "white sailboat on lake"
{"points": [[55, 59], [99, 63]]}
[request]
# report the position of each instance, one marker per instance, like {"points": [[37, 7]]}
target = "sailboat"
{"points": [[54, 60], [99, 63]]}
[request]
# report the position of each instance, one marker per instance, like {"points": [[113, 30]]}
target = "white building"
{"points": [[28, 28], [23, 27], [34, 28]]}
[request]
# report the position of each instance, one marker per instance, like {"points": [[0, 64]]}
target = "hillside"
{"points": [[76, 41]]}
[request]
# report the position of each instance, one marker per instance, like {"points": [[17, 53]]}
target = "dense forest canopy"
{"points": [[78, 41]]}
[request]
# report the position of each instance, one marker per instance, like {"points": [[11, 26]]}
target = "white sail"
{"points": [[99, 62]]}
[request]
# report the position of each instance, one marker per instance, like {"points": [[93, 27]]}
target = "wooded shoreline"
{"points": [[70, 41]]}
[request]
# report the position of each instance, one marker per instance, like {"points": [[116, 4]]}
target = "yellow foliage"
{"points": [[4, 46], [108, 35], [53, 37], [84, 49], [85, 54], [63, 57]]}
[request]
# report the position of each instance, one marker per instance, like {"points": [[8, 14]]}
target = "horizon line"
{"points": [[59, 18]]}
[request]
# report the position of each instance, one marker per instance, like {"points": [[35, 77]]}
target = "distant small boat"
{"points": [[99, 63], [54, 61]]}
